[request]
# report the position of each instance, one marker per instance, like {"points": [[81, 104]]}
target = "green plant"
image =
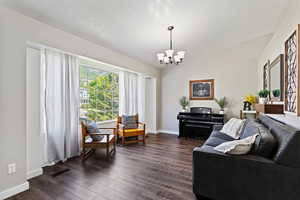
{"points": [[263, 93], [222, 102], [184, 102], [276, 93], [103, 95]]}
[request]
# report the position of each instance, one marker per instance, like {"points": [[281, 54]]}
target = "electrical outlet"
{"points": [[12, 168]]}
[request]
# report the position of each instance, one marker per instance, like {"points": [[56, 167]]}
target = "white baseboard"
{"points": [[152, 132], [14, 190], [168, 132], [34, 173]]}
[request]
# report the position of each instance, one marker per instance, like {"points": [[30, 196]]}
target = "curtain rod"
{"points": [[38, 46]]}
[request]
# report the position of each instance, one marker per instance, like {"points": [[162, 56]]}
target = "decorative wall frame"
{"points": [[202, 89], [266, 76], [292, 71]]}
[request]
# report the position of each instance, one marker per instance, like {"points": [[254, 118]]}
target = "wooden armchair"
{"points": [[107, 141], [125, 133]]}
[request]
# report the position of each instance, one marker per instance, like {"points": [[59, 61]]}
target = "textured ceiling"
{"points": [[137, 28]]}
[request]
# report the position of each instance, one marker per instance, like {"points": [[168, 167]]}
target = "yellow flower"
{"points": [[250, 98]]}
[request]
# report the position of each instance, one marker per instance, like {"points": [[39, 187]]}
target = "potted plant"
{"points": [[184, 102], [276, 94], [222, 102], [263, 96]]}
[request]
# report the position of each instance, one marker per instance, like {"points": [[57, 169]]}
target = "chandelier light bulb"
{"points": [[166, 60], [181, 54], [177, 59], [160, 57], [169, 53]]}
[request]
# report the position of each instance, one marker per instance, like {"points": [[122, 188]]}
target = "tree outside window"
{"points": [[99, 94]]}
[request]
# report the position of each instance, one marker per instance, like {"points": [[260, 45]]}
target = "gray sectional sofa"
{"points": [[271, 171]]}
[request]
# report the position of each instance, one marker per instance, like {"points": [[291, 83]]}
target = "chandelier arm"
{"points": [[171, 40]]}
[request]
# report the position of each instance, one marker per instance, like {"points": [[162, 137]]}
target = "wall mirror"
{"points": [[276, 76]]}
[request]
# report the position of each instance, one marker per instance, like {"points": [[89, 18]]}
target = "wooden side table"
{"points": [[269, 108], [244, 114]]}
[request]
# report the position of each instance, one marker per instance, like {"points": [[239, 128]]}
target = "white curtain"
{"points": [[132, 94], [128, 93], [142, 98], [59, 105]]}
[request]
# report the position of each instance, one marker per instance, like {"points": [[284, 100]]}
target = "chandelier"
{"points": [[170, 57]]}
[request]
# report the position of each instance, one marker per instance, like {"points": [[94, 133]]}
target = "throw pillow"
{"points": [[237, 147], [233, 127], [130, 121], [264, 143], [92, 128], [249, 129]]}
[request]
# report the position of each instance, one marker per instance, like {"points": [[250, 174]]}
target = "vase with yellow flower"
{"points": [[249, 101]]}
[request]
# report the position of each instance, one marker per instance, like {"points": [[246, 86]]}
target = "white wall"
{"points": [[234, 70], [285, 29], [33, 138], [151, 103], [15, 31]]}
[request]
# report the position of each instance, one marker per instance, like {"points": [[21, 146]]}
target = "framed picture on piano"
{"points": [[202, 89]]}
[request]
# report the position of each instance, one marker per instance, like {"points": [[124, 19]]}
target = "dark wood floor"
{"points": [[160, 170]]}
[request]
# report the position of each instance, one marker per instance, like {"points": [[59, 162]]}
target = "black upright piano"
{"points": [[198, 122]]}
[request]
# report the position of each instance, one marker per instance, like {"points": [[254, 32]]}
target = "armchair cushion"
{"points": [[130, 121], [96, 137], [134, 130], [88, 139]]}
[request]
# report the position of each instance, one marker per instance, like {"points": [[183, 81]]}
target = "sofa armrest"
{"points": [[217, 127], [217, 175]]}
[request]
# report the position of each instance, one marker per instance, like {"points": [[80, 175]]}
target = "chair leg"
{"points": [[115, 146], [83, 154], [83, 151], [144, 139], [123, 140], [87, 154], [118, 139], [107, 151]]}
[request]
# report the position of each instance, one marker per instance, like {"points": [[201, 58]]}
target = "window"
{"points": [[99, 94]]}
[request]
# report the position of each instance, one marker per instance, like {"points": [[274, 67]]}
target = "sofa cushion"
{"points": [[265, 142], [216, 138]]}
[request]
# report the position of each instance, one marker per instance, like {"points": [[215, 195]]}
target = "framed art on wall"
{"points": [[202, 89], [291, 84], [266, 76]]}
